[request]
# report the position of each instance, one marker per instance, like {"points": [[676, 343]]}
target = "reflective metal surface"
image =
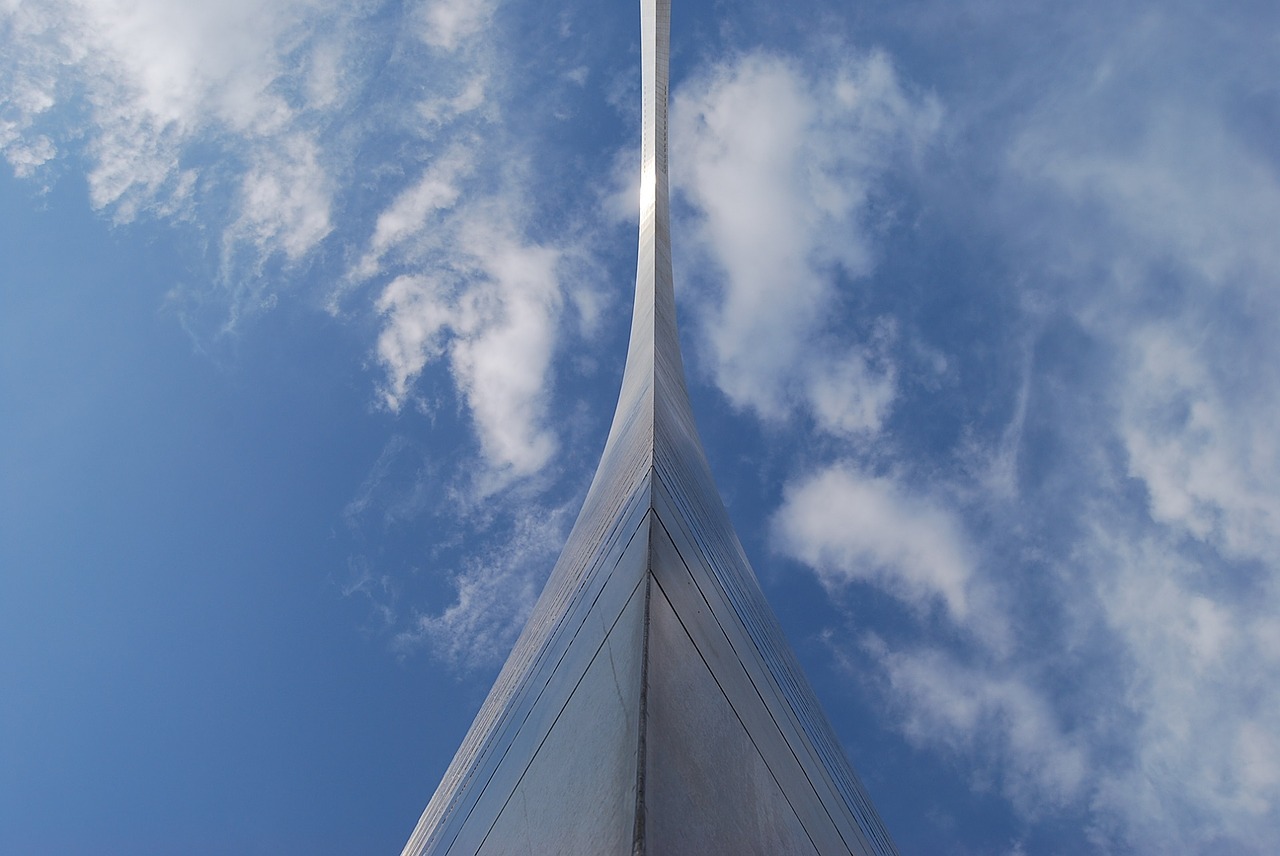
{"points": [[651, 705]]}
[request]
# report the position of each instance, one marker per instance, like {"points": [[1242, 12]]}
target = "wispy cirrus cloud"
{"points": [[1162, 251], [494, 593], [1203, 447], [1002, 719]]}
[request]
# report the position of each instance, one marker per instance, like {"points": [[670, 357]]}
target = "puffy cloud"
{"points": [[851, 394], [850, 526], [779, 165], [417, 314], [440, 109], [492, 306], [223, 113], [156, 73], [1173, 746], [502, 361]]}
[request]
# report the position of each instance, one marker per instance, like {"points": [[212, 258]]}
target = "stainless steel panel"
{"points": [[707, 789], [519, 707], [603, 636], [721, 642], [738, 755], [578, 795]]}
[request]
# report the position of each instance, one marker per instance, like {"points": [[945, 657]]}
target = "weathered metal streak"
{"points": [[651, 704]]}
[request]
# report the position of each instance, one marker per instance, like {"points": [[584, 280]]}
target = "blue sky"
{"points": [[312, 319]]}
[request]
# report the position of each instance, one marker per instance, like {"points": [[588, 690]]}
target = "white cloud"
{"points": [[494, 595], [1174, 746], [1163, 210], [1129, 190], [850, 526], [325, 80], [850, 395], [492, 305], [26, 156], [1204, 694], [978, 712], [285, 200], [179, 105], [503, 361], [440, 109], [779, 165], [236, 116], [411, 215], [447, 23], [1130, 507], [1185, 189], [417, 313], [1135, 194], [1208, 455]]}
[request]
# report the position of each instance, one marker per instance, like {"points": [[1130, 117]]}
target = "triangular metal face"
{"points": [[651, 705]]}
